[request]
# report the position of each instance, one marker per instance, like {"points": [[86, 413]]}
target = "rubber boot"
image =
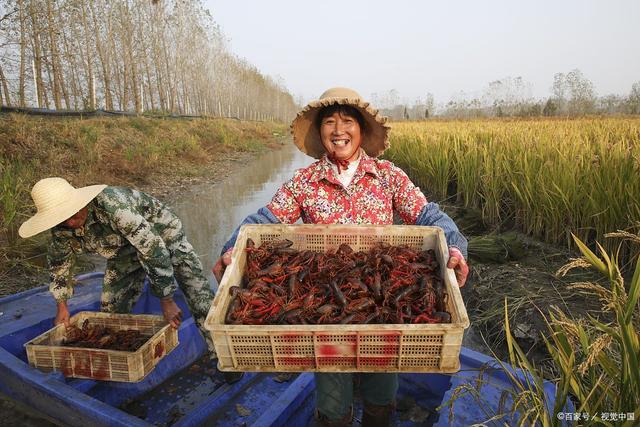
{"points": [[320, 420], [377, 415], [229, 377], [232, 377]]}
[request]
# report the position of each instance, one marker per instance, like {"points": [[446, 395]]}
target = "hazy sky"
{"points": [[441, 47]]}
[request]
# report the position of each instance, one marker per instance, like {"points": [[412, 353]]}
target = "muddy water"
{"points": [[210, 213]]}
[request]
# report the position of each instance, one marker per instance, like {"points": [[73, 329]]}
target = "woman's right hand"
{"points": [[62, 314], [221, 264]]}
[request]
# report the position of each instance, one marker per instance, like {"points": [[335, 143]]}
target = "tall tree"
{"points": [[6, 100], [23, 54], [131, 55], [58, 86], [574, 93], [633, 101], [582, 99], [41, 93]]}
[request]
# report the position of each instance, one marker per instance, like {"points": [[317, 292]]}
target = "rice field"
{"points": [[547, 177], [565, 182]]}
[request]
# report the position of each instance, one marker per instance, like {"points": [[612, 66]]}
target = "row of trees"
{"points": [[572, 94], [129, 55]]}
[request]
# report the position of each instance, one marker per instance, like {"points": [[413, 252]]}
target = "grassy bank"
{"points": [[548, 177], [139, 152]]}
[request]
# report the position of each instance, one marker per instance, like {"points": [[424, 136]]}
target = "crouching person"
{"points": [[137, 234]]}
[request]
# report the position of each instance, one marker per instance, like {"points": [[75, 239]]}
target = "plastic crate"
{"points": [[338, 348], [45, 352]]}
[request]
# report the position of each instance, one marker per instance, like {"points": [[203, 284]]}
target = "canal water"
{"points": [[210, 213]]}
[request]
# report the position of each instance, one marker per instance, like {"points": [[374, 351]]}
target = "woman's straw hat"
{"points": [[306, 135], [56, 201]]}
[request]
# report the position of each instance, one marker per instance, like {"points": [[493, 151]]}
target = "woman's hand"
{"points": [[459, 265], [171, 312], [221, 264], [62, 314]]}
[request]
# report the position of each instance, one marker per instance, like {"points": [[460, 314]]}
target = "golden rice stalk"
{"points": [[571, 328], [603, 294], [625, 235], [603, 342], [573, 263]]}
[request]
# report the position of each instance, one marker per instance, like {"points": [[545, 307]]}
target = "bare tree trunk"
{"points": [[5, 88], [136, 88], [148, 79], [81, 68], [149, 83], [41, 94], [119, 77], [23, 55], [59, 19], [54, 62], [158, 32], [170, 86], [87, 55], [69, 50], [103, 54], [125, 87], [47, 68], [135, 84], [126, 56], [127, 40], [164, 105], [105, 58]]}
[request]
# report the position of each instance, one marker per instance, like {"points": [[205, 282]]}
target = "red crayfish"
{"points": [[387, 284]]}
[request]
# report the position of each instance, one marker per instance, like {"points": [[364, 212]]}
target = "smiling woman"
{"points": [[341, 128], [348, 184]]}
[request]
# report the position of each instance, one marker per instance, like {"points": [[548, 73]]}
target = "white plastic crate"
{"points": [[46, 353], [338, 348]]}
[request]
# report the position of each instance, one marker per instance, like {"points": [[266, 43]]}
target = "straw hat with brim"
{"points": [[306, 135], [56, 201]]}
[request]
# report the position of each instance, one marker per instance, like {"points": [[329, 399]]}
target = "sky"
{"points": [[439, 47]]}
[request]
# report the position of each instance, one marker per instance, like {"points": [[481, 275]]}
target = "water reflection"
{"points": [[210, 213]]}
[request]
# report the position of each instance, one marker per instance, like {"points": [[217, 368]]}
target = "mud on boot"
{"points": [[232, 377], [377, 415], [321, 420]]}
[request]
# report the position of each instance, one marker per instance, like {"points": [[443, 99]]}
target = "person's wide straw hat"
{"points": [[306, 135], [56, 201]]}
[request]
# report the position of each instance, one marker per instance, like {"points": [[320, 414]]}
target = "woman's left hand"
{"points": [[459, 265]]}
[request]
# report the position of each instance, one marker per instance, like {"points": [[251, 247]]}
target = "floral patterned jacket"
{"points": [[378, 189]]}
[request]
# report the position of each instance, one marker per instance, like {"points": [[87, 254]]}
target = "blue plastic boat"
{"points": [[184, 390]]}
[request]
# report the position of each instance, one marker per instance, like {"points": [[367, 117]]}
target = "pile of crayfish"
{"points": [[387, 284], [97, 336]]}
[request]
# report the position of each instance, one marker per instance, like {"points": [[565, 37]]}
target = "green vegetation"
{"points": [[595, 360], [548, 177], [565, 182]]}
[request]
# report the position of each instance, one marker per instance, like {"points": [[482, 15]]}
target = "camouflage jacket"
{"points": [[123, 225]]}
